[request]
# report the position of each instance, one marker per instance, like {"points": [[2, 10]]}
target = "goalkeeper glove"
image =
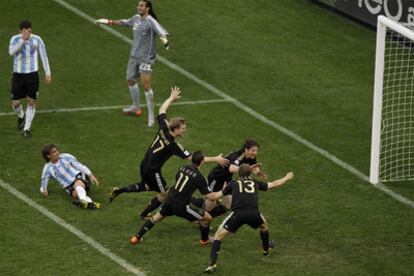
{"points": [[165, 42]]}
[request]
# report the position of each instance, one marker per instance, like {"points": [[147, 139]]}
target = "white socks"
{"points": [[149, 95], [134, 89], [30, 112], [19, 111], [82, 194]]}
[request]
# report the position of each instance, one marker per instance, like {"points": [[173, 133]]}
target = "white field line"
{"points": [[103, 250], [245, 108], [99, 108]]}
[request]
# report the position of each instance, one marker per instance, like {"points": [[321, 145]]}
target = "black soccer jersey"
{"points": [[245, 193], [163, 147], [187, 180], [223, 174]]}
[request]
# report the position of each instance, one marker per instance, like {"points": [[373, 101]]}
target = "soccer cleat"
{"points": [[26, 133], [207, 242], [210, 269], [20, 123], [271, 246], [150, 123], [132, 110], [135, 240], [94, 205], [112, 194]]}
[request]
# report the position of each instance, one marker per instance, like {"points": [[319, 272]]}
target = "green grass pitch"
{"points": [[291, 61]]}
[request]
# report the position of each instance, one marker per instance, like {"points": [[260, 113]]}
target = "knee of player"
{"points": [[147, 86], [162, 196], [131, 82], [264, 227]]}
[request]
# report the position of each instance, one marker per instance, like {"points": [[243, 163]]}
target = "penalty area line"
{"points": [[100, 108], [103, 250]]}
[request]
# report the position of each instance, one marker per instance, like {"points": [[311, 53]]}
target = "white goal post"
{"points": [[392, 140]]}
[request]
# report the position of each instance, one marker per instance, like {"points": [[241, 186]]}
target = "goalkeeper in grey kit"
{"points": [[145, 27]]}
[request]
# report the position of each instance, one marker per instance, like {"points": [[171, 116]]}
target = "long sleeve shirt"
{"points": [[25, 54]]}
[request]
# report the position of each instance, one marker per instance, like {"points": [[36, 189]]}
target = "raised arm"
{"points": [[15, 45], [110, 22], [281, 181], [175, 94]]}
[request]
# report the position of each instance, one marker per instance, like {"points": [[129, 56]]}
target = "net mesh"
{"points": [[397, 125]]}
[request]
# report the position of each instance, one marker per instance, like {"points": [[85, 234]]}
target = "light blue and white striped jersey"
{"points": [[64, 171], [25, 54], [144, 31]]}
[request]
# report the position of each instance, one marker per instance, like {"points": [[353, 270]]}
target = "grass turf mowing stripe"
{"points": [[103, 250]]}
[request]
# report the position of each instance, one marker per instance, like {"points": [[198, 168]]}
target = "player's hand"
{"points": [[102, 21], [25, 35], [289, 175], [48, 79], [221, 160], [175, 93], [262, 175], [165, 42], [94, 180], [45, 193]]}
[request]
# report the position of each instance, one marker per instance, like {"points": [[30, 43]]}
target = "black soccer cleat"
{"points": [[272, 244], [26, 133], [210, 269], [113, 194], [20, 123]]}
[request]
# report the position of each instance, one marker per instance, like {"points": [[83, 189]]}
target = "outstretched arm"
{"points": [[281, 181], [175, 94], [218, 159], [109, 22]]}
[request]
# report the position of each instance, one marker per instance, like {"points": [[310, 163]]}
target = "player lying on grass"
{"points": [[161, 149], [188, 179], [70, 174], [245, 210]]}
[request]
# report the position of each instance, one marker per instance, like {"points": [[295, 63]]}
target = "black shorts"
{"points": [[236, 219], [154, 180], [25, 85], [216, 184], [84, 178], [189, 212]]}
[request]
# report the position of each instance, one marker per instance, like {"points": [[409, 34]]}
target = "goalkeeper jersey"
{"points": [[144, 31]]}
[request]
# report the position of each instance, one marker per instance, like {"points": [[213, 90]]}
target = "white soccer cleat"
{"points": [[132, 110]]}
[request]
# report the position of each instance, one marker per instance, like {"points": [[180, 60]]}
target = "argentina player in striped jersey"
{"points": [[25, 49], [245, 210], [70, 174], [145, 27]]}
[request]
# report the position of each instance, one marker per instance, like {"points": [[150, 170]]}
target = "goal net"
{"points": [[392, 147]]}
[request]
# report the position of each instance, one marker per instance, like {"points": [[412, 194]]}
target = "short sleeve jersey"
{"points": [[187, 181], [245, 193], [163, 147], [223, 174]]}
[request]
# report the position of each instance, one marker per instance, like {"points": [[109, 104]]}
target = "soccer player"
{"points": [[70, 174], [245, 206], [25, 48], [161, 149], [223, 174], [187, 180], [145, 27]]}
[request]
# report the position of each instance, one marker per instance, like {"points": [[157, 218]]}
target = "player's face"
{"points": [[181, 130], [251, 153], [142, 8], [54, 155], [26, 32]]}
